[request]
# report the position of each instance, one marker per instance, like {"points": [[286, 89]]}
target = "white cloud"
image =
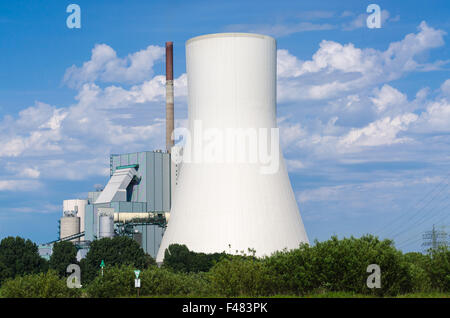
{"points": [[380, 132], [445, 88], [337, 69], [105, 66], [436, 118], [19, 185], [30, 173], [388, 99]]}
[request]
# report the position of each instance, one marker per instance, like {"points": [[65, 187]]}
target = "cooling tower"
{"points": [[226, 200]]}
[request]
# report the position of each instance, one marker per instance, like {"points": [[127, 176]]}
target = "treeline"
{"points": [[336, 265]]}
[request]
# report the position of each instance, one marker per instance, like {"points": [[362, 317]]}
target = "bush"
{"points": [[43, 285], [340, 265], [439, 268], [115, 282], [162, 281], [292, 271], [119, 282], [241, 276], [178, 258], [418, 264], [117, 251]]}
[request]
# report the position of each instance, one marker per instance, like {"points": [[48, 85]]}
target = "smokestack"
{"points": [[169, 95]]}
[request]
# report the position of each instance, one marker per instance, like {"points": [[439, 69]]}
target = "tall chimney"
{"points": [[169, 95]]}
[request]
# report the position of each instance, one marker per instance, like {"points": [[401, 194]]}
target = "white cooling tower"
{"points": [[225, 204]]}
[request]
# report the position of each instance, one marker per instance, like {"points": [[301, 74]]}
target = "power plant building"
{"points": [[210, 206]]}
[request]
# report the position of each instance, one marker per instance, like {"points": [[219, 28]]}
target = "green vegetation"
{"points": [[64, 254], [117, 251], [19, 257], [178, 258], [43, 285], [334, 268]]}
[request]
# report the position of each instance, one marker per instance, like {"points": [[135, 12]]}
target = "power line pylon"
{"points": [[434, 238]]}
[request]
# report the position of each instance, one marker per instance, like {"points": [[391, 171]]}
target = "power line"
{"points": [[421, 220], [411, 217], [393, 222]]}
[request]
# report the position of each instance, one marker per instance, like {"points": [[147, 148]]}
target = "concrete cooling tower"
{"points": [[232, 194]]}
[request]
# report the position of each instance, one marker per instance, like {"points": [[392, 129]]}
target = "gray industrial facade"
{"points": [[150, 191], [143, 207]]}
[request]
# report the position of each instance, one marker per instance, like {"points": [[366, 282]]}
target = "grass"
{"points": [[319, 295]]}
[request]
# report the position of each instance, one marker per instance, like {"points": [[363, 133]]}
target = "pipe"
{"points": [[169, 96]]}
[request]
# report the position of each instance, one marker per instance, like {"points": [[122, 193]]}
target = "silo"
{"points": [[70, 225], [225, 204], [78, 206], [106, 226]]}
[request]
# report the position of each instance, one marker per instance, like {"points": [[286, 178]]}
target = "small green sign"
{"points": [[137, 272], [102, 264]]}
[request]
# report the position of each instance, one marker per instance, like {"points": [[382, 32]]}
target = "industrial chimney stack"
{"points": [[169, 95]]}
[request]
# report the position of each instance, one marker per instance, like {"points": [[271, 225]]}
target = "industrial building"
{"points": [[210, 207], [136, 200]]}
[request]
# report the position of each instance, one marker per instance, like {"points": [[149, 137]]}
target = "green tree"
{"points": [[293, 271], [439, 269], [18, 257], [241, 276], [419, 265], [179, 258], [116, 251], [117, 281], [42, 285], [64, 253], [340, 265]]}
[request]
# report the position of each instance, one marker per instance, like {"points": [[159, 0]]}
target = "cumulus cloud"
{"points": [[336, 69], [381, 132], [105, 66], [74, 142]]}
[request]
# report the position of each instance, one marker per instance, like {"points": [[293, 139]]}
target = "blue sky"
{"points": [[364, 113]]}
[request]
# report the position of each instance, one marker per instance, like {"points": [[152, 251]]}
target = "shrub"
{"points": [[43, 285], [241, 276], [117, 281], [439, 268], [340, 265], [178, 258], [418, 264], [292, 272], [162, 281], [117, 251]]}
